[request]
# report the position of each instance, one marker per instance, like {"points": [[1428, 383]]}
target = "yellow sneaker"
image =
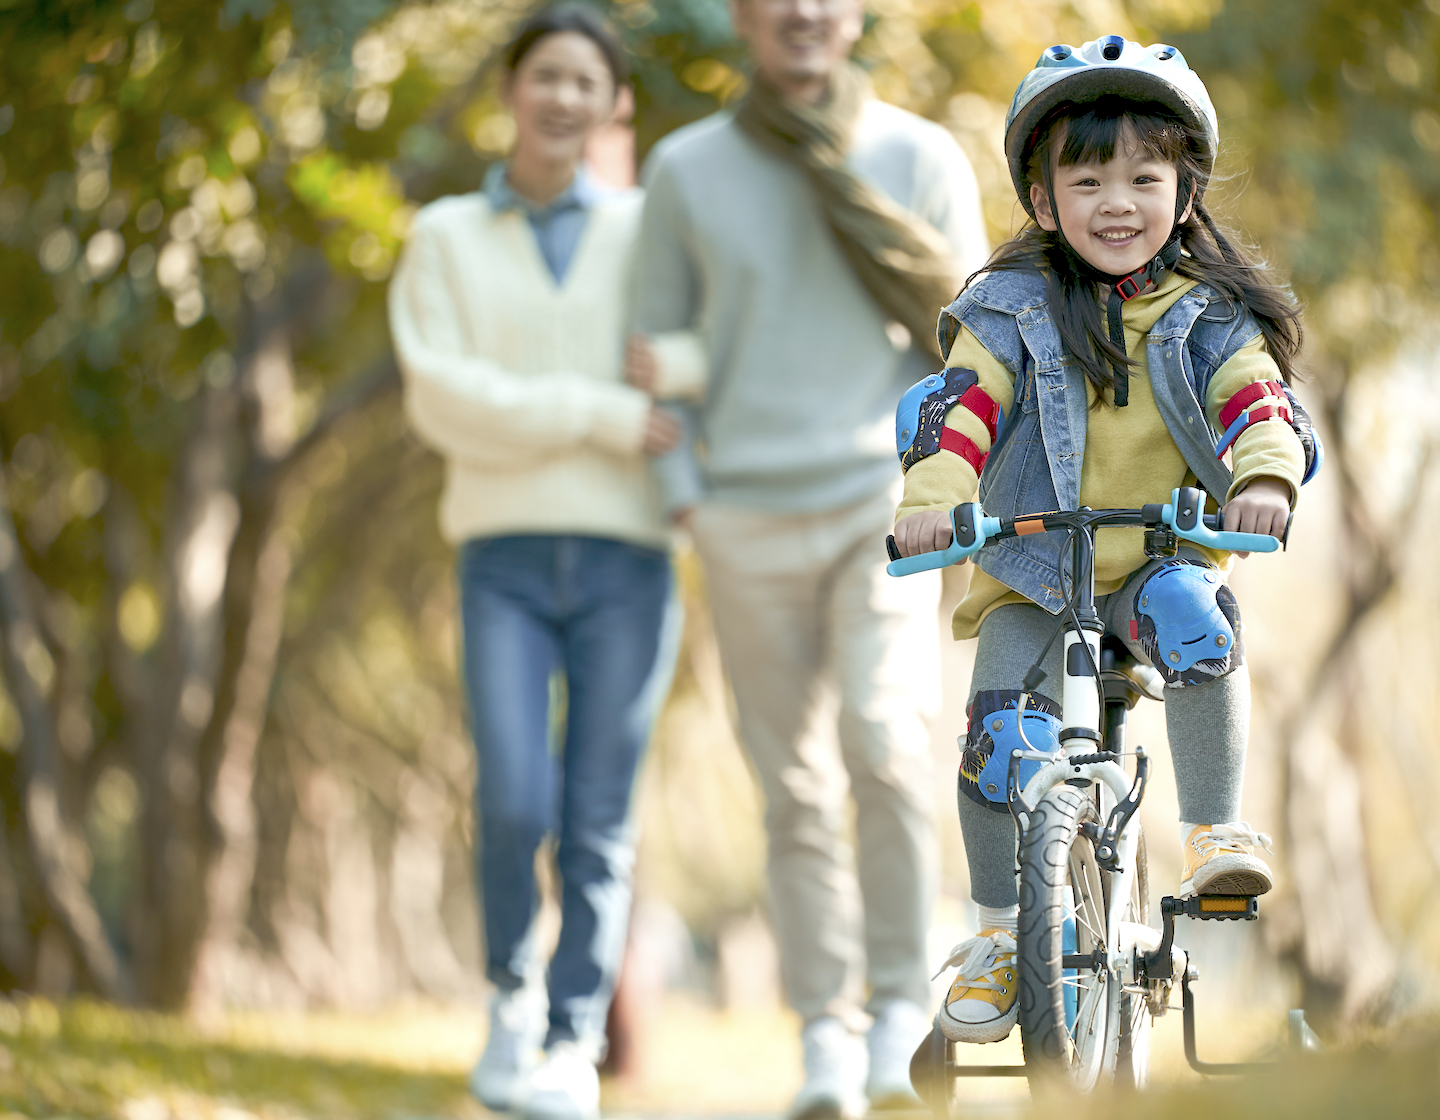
{"points": [[1219, 860], [981, 1004]]}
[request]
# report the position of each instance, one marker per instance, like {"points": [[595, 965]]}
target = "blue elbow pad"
{"points": [[1309, 438], [920, 416]]}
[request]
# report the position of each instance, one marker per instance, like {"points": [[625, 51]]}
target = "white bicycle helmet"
{"points": [[1104, 66]]}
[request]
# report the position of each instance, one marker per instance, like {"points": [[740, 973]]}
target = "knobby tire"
{"points": [[1055, 855]]}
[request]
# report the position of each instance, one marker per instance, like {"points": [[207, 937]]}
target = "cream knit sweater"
{"points": [[517, 382]]}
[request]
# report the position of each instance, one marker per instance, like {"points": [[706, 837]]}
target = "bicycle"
{"points": [[1093, 970]]}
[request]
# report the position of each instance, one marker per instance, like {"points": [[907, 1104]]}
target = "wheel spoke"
{"points": [[1084, 909], [1095, 933], [1089, 1017]]}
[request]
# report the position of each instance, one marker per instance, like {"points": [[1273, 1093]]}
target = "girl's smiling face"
{"points": [[1116, 213]]}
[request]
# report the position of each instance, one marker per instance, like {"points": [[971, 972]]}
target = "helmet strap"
{"points": [[1120, 290]]}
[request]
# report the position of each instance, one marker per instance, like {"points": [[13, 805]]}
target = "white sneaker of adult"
{"points": [[499, 1078], [899, 1028], [564, 1087], [834, 1073]]}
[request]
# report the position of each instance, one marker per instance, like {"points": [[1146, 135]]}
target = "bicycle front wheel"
{"points": [[1069, 1018]]}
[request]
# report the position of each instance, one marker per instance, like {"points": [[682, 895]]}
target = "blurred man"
{"points": [[793, 258]]}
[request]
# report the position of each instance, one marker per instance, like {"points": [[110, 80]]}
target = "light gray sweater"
{"points": [[803, 370]]}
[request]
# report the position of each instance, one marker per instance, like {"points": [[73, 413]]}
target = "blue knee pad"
{"points": [[992, 735], [1187, 623]]}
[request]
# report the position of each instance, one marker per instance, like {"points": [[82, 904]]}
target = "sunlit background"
{"points": [[234, 771]]}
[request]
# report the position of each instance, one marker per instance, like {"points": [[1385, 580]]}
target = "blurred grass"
{"points": [[1398, 1079], [91, 1060]]}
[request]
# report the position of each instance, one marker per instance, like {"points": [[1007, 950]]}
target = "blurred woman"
{"points": [[507, 313]]}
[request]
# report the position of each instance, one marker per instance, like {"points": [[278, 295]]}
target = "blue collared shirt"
{"points": [[557, 226]]}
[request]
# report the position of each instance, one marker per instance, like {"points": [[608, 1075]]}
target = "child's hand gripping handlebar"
{"points": [[970, 530], [1183, 515]]}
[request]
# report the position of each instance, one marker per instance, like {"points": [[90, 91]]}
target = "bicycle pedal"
{"points": [[1215, 907]]}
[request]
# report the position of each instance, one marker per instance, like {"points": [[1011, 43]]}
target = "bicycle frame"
{"points": [[1083, 756], [1138, 958]]}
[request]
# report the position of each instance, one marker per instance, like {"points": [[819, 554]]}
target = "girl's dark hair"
{"points": [[569, 17], [1092, 133]]}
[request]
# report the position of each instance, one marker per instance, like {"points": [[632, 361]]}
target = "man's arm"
{"points": [[666, 308]]}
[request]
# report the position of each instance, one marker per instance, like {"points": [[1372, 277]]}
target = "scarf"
{"points": [[905, 264]]}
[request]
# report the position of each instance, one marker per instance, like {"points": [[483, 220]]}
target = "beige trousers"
{"points": [[834, 667]]}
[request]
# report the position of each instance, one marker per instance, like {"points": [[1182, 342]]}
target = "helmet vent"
{"points": [[1108, 64]]}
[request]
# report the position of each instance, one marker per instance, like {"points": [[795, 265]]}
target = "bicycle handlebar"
{"points": [[972, 530]]}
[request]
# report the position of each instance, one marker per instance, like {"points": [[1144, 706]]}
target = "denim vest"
{"points": [[1035, 463]]}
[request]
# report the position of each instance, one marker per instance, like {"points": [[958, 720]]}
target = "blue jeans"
{"points": [[599, 614]]}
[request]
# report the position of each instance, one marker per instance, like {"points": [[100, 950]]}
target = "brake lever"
{"points": [[1185, 516], [969, 529]]}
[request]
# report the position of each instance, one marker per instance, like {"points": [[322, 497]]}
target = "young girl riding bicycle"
{"points": [[1116, 349]]}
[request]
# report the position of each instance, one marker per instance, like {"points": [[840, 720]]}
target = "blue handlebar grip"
{"points": [[925, 561], [1201, 533]]}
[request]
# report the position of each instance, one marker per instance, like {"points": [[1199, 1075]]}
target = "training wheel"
{"points": [[928, 1073]]}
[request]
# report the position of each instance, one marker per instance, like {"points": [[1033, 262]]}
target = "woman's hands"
{"points": [[662, 430], [926, 531], [640, 366], [1262, 507]]}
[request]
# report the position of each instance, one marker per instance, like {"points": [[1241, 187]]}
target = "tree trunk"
{"points": [[1344, 959], [254, 615], [29, 669], [196, 560], [229, 568], [1346, 964], [16, 951]]}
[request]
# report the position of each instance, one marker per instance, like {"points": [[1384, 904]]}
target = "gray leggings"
{"points": [[1207, 725]]}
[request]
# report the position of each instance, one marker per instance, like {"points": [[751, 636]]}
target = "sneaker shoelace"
{"points": [[1232, 838], [979, 956]]}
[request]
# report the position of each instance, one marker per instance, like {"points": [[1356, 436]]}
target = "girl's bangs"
{"points": [[1113, 125]]}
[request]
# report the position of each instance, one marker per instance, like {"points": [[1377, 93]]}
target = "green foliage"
{"points": [[686, 61], [1333, 119]]}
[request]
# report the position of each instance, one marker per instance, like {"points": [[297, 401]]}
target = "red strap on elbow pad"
{"points": [[983, 405], [965, 447], [1246, 397], [1253, 417], [1269, 412]]}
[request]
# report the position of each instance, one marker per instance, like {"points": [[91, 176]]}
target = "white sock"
{"points": [[1186, 828], [1000, 917]]}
